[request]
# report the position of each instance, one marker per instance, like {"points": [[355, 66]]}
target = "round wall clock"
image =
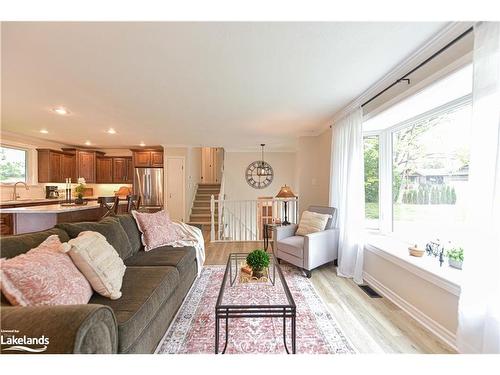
{"points": [[259, 174]]}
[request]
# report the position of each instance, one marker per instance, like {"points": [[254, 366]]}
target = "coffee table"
{"points": [[267, 299]]}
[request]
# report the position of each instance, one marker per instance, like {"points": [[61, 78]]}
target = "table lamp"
{"points": [[287, 193]]}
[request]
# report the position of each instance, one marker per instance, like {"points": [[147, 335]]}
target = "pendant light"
{"points": [[262, 170]]}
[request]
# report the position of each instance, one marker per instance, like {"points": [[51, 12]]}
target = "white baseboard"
{"points": [[437, 329]]}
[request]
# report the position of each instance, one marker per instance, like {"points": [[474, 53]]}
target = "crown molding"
{"points": [[447, 34]]}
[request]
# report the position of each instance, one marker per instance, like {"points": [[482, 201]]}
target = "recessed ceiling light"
{"points": [[88, 143], [60, 111], [142, 144], [111, 131], [44, 131]]}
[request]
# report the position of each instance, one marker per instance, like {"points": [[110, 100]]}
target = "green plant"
{"points": [[258, 260], [456, 253], [79, 189]]}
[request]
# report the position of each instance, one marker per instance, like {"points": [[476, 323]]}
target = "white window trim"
{"points": [[31, 162]]}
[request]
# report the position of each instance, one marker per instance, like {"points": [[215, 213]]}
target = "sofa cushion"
{"points": [[134, 235], [179, 257], [98, 261], [43, 276], [144, 289], [11, 246], [109, 227], [292, 245]]}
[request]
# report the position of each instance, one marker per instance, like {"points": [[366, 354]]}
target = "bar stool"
{"points": [[110, 204], [133, 202]]}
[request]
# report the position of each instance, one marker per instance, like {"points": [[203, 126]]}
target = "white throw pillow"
{"points": [[98, 261], [312, 222]]}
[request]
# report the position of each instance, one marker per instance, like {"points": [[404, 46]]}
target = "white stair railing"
{"points": [[243, 220]]}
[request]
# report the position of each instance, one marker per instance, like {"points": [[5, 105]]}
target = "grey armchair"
{"points": [[312, 250]]}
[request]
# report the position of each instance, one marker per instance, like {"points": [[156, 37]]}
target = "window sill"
{"points": [[426, 267]]}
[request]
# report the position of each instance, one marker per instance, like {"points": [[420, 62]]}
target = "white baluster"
{"points": [[212, 224]]}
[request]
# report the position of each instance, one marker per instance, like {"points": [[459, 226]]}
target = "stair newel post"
{"points": [[212, 221]]}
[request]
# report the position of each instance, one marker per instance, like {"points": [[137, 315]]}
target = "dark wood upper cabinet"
{"points": [[122, 170], [142, 159], [104, 170], [157, 158], [147, 158], [86, 165], [50, 165], [68, 167]]}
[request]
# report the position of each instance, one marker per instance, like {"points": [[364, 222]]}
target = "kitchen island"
{"points": [[37, 218]]}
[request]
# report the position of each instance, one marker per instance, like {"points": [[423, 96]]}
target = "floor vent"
{"points": [[368, 290]]}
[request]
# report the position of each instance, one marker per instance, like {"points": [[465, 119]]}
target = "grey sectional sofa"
{"points": [[154, 286]]}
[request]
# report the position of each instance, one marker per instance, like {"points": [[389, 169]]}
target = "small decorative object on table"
{"points": [[415, 251], [258, 261], [79, 189], [455, 257]]}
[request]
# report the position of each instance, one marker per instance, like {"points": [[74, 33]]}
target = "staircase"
{"points": [[200, 213]]}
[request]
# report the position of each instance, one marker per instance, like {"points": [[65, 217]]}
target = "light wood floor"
{"points": [[373, 325]]}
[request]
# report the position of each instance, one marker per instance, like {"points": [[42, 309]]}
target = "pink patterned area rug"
{"points": [[193, 329]]}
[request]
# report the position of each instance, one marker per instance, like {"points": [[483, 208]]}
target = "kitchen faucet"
{"points": [[15, 195]]}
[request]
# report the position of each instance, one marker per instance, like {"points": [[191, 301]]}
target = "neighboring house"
{"points": [[438, 176]]}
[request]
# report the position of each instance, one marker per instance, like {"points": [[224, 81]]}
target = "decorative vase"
{"points": [[257, 273], [455, 263]]}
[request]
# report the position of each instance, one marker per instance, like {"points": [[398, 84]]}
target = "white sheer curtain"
{"points": [[479, 306], [347, 192]]}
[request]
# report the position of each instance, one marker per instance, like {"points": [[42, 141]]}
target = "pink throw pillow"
{"points": [[43, 276], [157, 229]]}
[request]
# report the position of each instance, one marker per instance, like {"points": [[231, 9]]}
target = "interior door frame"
{"points": [[183, 158]]}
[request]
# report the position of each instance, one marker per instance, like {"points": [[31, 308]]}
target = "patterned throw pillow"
{"points": [[157, 229], [312, 222], [43, 276], [98, 261]]}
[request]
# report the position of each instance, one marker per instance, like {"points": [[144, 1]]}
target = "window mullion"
{"points": [[385, 176]]}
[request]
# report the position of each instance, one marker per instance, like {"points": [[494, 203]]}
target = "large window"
{"points": [[417, 162], [13, 164]]}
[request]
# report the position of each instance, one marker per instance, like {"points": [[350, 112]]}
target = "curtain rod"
{"points": [[407, 80]]}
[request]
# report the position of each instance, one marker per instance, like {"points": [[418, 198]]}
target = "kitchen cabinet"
{"points": [[6, 224], [68, 167], [86, 165], [104, 170], [157, 158], [122, 170], [142, 158], [148, 158], [54, 166]]}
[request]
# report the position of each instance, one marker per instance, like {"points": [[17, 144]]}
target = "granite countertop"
{"points": [[23, 202], [49, 209], [52, 208]]}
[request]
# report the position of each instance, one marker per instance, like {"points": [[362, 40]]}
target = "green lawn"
{"points": [[417, 212]]}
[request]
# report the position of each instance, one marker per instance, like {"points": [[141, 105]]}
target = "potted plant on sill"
{"points": [[258, 260], [455, 257]]}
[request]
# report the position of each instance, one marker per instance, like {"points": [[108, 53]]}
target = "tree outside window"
{"points": [[12, 165]]}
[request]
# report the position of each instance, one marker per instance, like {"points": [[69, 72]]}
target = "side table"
{"points": [[268, 228]]}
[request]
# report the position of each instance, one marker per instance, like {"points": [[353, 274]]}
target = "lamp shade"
{"points": [[285, 192]]}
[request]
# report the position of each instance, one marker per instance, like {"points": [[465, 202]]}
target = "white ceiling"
{"points": [[216, 84]]}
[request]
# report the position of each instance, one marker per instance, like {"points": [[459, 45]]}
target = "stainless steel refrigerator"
{"points": [[148, 183]]}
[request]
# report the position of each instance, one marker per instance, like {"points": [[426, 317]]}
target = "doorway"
{"points": [[176, 187], [212, 161]]}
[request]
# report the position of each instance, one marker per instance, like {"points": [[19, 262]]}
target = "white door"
{"points": [[175, 188]]}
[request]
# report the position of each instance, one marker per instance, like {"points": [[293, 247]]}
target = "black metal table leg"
{"points": [[294, 334], [216, 333], [227, 332]]}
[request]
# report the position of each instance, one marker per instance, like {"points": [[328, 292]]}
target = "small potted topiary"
{"points": [[455, 257], [258, 260]]}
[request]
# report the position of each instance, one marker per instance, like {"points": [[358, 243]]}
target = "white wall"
{"points": [[193, 175], [434, 306], [235, 164], [313, 169]]}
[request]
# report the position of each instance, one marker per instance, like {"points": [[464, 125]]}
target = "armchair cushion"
{"points": [[312, 222], [292, 245]]}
